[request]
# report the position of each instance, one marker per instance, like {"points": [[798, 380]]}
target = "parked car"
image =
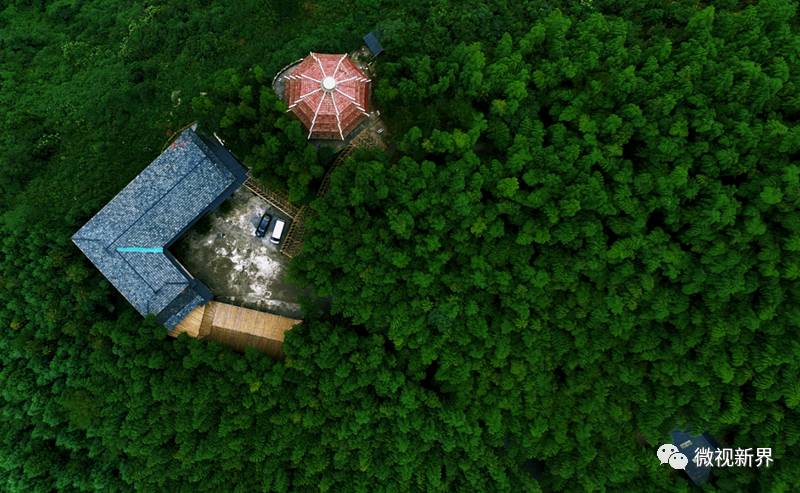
{"points": [[263, 225], [277, 231]]}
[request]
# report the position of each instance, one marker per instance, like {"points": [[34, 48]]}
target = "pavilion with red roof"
{"points": [[329, 94]]}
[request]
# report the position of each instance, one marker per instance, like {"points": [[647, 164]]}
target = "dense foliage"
{"points": [[270, 142], [586, 233]]}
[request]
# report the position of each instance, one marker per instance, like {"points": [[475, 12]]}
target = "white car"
{"points": [[277, 231]]}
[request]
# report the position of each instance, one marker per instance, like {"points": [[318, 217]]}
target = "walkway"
{"points": [[237, 327]]}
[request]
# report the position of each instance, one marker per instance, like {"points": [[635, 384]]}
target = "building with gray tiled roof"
{"points": [[128, 239]]}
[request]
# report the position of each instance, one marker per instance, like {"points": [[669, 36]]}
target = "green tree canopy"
{"points": [[584, 234]]}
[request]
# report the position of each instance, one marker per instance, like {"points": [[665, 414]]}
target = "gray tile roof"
{"points": [[190, 178]]}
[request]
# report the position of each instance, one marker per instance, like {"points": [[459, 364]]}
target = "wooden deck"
{"points": [[237, 327]]}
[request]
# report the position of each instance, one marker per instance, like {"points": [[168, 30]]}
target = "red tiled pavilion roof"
{"points": [[329, 94]]}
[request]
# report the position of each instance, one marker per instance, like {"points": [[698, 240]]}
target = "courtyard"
{"points": [[222, 251]]}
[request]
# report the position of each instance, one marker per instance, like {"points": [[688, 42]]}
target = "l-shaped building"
{"points": [[129, 239]]}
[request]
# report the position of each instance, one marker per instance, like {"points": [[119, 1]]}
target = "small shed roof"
{"points": [[688, 445], [127, 239], [373, 45]]}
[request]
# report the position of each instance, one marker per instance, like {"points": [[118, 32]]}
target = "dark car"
{"points": [[263, 224]]}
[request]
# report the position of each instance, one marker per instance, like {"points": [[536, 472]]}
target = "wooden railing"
{"points": [[293, 242], [276, 199]]}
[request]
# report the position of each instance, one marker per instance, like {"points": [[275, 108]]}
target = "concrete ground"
{"points": [[223, 252]]}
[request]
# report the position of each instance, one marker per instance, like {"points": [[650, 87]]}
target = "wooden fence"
{"points": [[294, 237]]}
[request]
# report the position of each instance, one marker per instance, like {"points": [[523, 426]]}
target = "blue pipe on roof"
{"points": [[141, 249]]}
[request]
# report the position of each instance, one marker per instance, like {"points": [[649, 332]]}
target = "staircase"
{"points": [[208, 319]]}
